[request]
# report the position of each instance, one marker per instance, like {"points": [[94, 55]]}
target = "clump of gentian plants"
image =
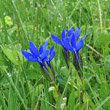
{"points": [[43, 57], [70, 43]]}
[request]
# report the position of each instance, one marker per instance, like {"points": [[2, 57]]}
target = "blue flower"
{"points": [[70, 43], [76, 32], [73, 45], [34, 56], [61, 42], [42, 58]]}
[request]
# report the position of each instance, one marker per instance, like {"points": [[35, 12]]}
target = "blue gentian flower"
{"points": [[61, 42], [75, 46], [34, 56], [68, 39], [70, 43], [42, 58]]}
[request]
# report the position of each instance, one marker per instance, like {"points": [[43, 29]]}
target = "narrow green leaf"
{"points": [[71, 102], [12, 100]]}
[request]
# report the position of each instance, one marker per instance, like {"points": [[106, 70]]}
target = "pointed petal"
{"points": [[66, 39], [45, 45], [71, 30], [52, 49], [63, 35], [76, 28], [73, 41], [33, 49], [67, 45], [79, 45], [84, 38], [51, 56], [29, 56], [77, 33], [44, 54], [41, 49], [68, 32], [56, 39], [70, 37]]}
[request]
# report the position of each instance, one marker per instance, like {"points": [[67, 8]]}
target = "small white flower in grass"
{"points": [[65, 98], [63, 102], [51, 89], [62, 106], [9, 75]]}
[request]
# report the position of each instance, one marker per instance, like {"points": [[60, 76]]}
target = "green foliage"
{"points": [[22, 83], [107, 63], [71, 102]]}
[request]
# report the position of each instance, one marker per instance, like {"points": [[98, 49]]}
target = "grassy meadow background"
{"points": [[22, 84]]}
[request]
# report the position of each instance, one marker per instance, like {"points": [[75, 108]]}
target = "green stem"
{"points": [[100, 15], [107, 3], [60, 101], [13, 85], [91, 14], [97, 102]]}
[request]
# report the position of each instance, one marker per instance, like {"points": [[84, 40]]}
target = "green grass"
{"points": [[22, 83]]}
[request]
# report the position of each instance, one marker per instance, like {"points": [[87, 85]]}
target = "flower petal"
{"points": [[67, 39], [63, 35], [70, 37], [79, 45], [33, 49], [84, 38], [44, 54], [52, 56], [41, 49], [56, 39], [70, 32], [73, 41], [52, 49], [67, 45], [29, 56], [45, 45], [77, 33]]}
